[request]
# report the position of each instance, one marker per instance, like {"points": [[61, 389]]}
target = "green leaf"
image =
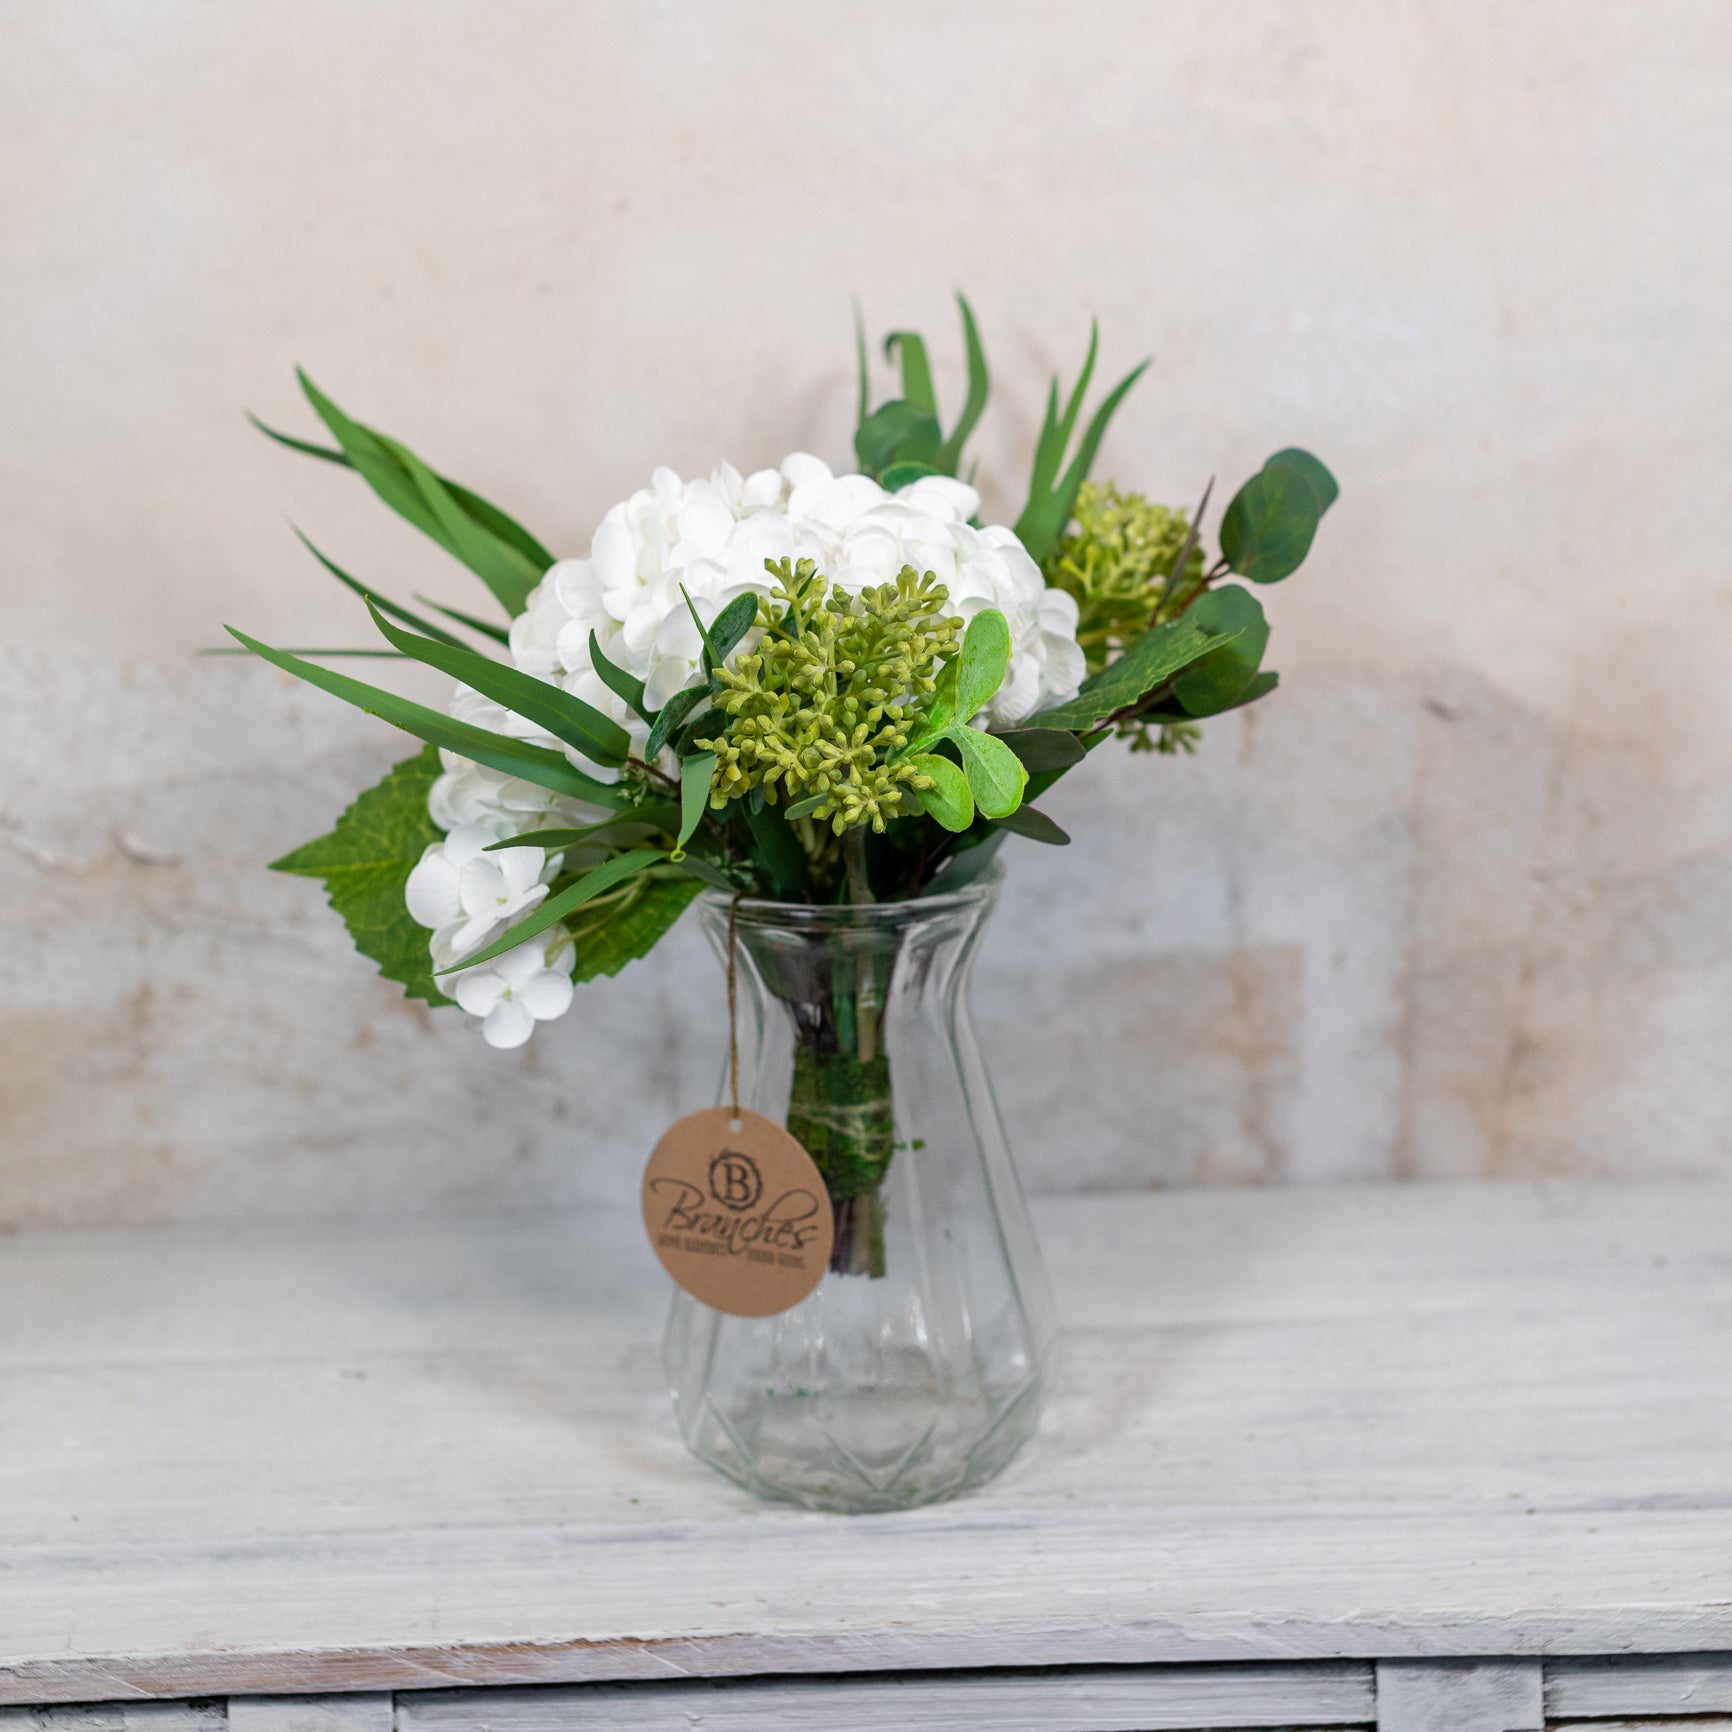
{"points": [[1267, 529], [900, 475], [486, 627], [996, 777], [732, 624], [1170, 710], [778, 850], [616, 679], [1036, 826], [365, 863], [556, 907], [505, 569], [610, 936], [696, 866], [483, 511], [916, 371], [696, 774], [865, 405], [670, 716], [949, 800], [950, 453], [970, 863], [897, 432], [372, 596], [1151, 661], [1045, 748], [804, 808], [537, 764], [1323, 484], [584, 728], [1216, 681], [652, 815], [982, 663]]}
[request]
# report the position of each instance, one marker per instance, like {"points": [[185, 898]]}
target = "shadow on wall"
{"points": [[1387, 931]]}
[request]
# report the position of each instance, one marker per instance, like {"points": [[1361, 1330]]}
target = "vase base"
{"points": [[866, 1451]]}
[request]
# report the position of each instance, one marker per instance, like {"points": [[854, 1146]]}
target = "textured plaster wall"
{"points": [[1457, 901]]}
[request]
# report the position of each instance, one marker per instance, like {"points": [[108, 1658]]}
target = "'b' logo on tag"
{"points": [[735, 1182]]}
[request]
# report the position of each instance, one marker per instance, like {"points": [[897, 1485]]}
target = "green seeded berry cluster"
{"points": [[1115, 561], [824, 704]]}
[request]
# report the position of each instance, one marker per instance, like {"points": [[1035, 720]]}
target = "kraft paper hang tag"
{"points": [[737, 1212]]}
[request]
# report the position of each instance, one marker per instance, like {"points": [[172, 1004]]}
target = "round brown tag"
{"points": [[737, 1212]]}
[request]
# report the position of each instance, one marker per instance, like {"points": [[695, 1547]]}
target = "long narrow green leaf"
{"points": [[487, 628], [1077, 473], [369, 457], [568, 718], [696, 774], [555, 908], [950, 453], [653, 814], [304, 446], [503, 568], [483, 511], [1048, 453], [1073, 408], [671, 717], [916, 369], [865, 404], [546, 769], [1031, 822], [616, 679], [373, 596]]}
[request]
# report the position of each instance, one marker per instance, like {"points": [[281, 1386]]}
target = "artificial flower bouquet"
{"points": [[795, 685]]}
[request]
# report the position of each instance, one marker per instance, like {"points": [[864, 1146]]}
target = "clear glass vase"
{"points": [[917, 1367]]}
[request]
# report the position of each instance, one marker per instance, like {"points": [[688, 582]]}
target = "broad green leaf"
{"points": [[486, 627], [583, 727], [1216, 681], [981, 664], [556, 907], [1323, 484], [1042, 748], [897, 432], [949, 800], [505, 569], [778, 850], [732, 624], [652, 815], [669, 718], [546, 769], [916, 370], [971, 862], [365, 863], [616, 679], [1268, 527], [372, 596], [696, 774], [1171, 710], [900, 475], [610, 936], [1036, 826], [1151, 661], [996, 777], [950, 453]]}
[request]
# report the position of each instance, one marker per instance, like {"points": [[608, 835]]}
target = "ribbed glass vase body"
{"points": [[917, 1367]]}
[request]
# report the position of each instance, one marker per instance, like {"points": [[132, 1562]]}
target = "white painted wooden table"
{"points": [[1422, 1458]]}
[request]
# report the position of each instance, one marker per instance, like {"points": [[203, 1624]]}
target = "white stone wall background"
{"points": [[1455, 902]]}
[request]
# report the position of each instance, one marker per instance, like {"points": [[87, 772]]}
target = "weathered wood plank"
{"points": [[1635, 1684], [1459, 1696], [116, 1717], [370, 1712], [1344, 1425], [1106, 1699]]}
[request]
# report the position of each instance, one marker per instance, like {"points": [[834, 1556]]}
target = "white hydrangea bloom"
{"points": [[464, 893], [514, 992], [709, 539]]}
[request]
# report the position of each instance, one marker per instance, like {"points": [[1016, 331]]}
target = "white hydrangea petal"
{"points": [[545, 995], [508, 1024], [478, 990]]}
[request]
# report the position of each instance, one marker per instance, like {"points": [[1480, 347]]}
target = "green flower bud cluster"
{"points": [[829, 696], [1116, 560]]}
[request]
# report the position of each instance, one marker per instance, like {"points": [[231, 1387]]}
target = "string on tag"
{"points": [[733, 1020]]}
